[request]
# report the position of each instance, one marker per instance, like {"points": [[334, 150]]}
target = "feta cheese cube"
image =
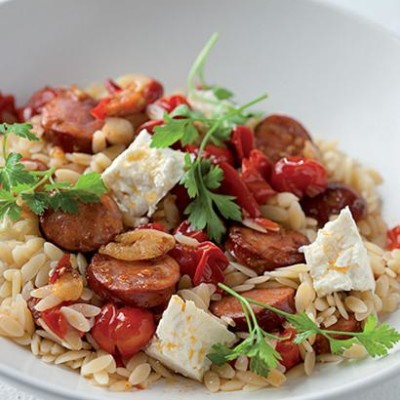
{"points": [[141, 176], [185, 336], [338, 259]]}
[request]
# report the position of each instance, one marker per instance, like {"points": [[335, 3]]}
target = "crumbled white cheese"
{"points": [[338, 259], [141, 176], [185, 336]]}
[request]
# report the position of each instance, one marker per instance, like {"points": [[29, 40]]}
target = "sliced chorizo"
{"points": [[279, 136], [37, 101], [321, 344], [147, 283], [265, 251], [282, 298], [94, 225], [336, 197], [68, 123]]}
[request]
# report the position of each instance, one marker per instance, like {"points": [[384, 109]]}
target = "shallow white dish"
{"points": [[337, 74]]}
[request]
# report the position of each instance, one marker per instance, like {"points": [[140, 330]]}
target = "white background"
{"points": [[387, 14]]}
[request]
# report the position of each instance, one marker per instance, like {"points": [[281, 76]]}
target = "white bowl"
{"points": [[337, 74]]}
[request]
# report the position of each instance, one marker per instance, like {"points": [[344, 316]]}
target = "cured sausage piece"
{"points": [[278, 136], [265, 251], [336, 197], [68, 123], [321, 344], [36, 102], [94, 225], [146, 284], [282, 298]]}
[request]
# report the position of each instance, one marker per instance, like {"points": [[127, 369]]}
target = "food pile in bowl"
{"points": [[145, 236]]}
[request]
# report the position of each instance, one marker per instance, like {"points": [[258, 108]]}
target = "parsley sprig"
{"points": [[37, 189], [189, 126], [263, 357], [377, 339]]}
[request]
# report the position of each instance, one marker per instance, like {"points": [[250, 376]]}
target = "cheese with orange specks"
{"points": [[184, 337]]}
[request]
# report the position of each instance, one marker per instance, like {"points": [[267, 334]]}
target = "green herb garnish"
{"points": [[202, 178], [377, 339], [37, 189]]}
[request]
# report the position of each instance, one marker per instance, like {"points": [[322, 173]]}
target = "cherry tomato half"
{"points": [[299, 176], [123, 330]]}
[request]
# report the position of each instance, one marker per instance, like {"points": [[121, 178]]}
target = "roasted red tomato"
{"points": [[300, 176], [111, 86], [215, 153], [123, 330], [56, 321], [393, 237], [288, 350], [204, 263]]}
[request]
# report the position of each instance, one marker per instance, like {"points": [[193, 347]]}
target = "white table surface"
{"points": [[387, 14]]}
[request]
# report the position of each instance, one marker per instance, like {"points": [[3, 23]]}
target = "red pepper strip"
{"points": [[150, 125], [111, 86], [170, 103], [393, 237], [260, 162], [233, 185], [267, 224], [63, 266], [204, 263], [243, 141], [215, 153], [257, 185], [211, 264], [100, 111], [186, 229], [153, 225]]}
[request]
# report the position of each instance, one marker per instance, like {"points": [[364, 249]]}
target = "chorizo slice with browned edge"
{"points": [[279, 136], [147, 283], [68, 123], [336, 197], [321, 344], [94, 225], [282, 298], [265, 251]]}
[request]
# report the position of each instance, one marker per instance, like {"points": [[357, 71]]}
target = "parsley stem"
{"points": [[46, 176], [197, 67], [5, 147]]}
